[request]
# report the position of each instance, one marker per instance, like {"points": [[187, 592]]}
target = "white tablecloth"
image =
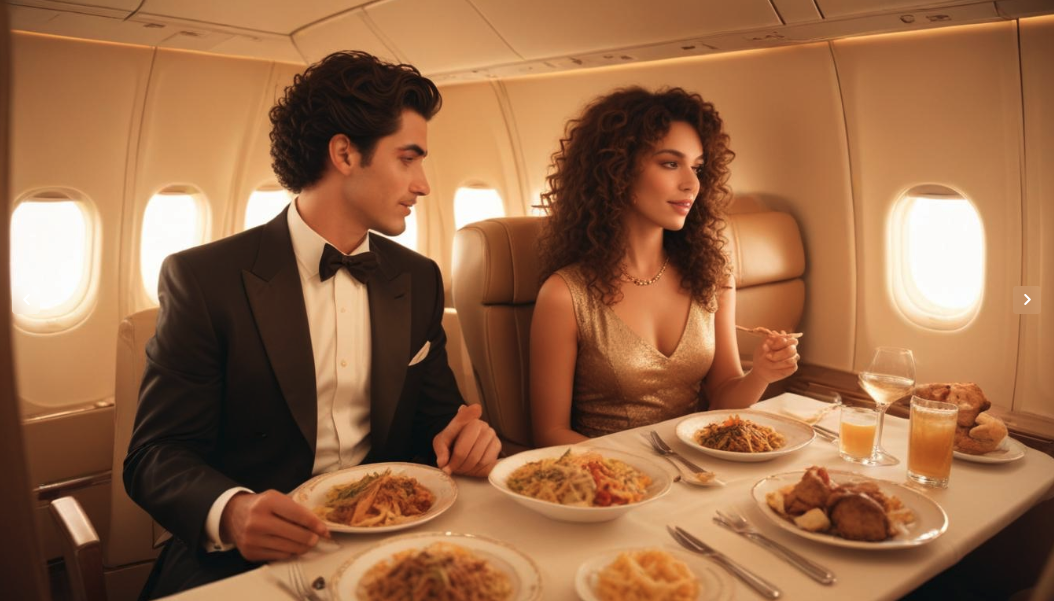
{"points": [[980, 501]]}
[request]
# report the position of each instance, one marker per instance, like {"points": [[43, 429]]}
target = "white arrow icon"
{"points": [[1028, 300]]}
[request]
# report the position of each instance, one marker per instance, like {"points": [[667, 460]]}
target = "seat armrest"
{"points": [[81, 550]]}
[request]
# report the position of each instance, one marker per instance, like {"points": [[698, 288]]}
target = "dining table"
{"points": [[981, 499]]}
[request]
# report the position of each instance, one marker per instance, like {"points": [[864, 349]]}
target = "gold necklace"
{"points": [[641, 282]]}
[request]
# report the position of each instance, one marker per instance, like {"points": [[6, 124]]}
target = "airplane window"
{"points": [[409, 237], [264, 203], [939, 259], [174, 220], [476, 204], [51, 261]]}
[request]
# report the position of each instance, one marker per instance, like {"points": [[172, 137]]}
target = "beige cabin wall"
{"points": [[255, 169], [782, 110], [941, 107], [1035, 381], [469, 145], [75, 107], [117, 123], [199, 113]]}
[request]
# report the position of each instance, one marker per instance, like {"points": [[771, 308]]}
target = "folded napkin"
{"points": [[801, 408]]}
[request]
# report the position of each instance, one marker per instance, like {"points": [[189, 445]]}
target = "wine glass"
{"points": [[890, 376]]}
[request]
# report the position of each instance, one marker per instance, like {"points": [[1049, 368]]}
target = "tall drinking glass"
{"points": [[890, 376]]}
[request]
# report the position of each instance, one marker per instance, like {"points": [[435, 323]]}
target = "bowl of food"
{"points": [[744, 434], [580, 484]]}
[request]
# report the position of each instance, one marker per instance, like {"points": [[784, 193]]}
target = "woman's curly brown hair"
{"points": [[350, 93], [590, 190]]}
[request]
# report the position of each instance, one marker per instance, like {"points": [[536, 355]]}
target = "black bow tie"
{"points": [[360, 266]]}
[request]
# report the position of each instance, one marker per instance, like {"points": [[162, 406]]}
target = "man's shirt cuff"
{"points": [[212, 542]]}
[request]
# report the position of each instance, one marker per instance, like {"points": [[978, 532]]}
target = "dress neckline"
{"points": [[641, 340]]}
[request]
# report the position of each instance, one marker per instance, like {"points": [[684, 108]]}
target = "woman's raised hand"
{"points": [[776, 357]]}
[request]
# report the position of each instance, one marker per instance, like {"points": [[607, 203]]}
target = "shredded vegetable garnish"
{"points": [[586, 480], [378, 499]]}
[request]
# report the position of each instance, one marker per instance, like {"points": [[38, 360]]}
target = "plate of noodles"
{"points": [[438, 565], [579, 483], [744, 434], [659, 573], [378, 497]]}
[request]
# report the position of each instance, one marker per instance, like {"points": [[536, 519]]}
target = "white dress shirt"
{"points": [[338, 317]]}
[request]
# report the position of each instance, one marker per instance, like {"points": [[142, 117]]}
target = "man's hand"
{"points": [[467, 445], [269, 526]]}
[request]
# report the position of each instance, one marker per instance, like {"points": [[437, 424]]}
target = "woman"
{"points": [[635, 320]]}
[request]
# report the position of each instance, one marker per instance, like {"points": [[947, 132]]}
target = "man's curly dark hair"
{"points": [[590, 190], [350, 93]]}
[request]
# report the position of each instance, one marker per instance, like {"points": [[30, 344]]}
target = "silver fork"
{"points": [[299, 583], [738, 524], [696, 475], [692, 543], [825, 433]]}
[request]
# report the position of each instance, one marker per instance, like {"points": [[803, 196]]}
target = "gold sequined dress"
{"points": [[623, 382]]}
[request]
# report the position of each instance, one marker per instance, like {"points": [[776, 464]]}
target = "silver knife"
{"points": [[812, 569], [752, 580]]}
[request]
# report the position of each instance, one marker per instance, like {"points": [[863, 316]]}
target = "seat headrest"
{"points": [[765, 247], [510, 265]]}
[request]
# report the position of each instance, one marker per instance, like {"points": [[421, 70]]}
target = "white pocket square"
{"points": [[421, 354]]}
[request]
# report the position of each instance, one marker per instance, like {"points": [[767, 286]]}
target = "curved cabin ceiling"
{"points": [[462, 40]]}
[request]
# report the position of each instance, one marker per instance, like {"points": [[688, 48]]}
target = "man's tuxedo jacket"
{"points": [[228, 396]]}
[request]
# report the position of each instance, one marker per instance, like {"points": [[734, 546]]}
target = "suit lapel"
{"points": [[277, 300], [389, 294]]}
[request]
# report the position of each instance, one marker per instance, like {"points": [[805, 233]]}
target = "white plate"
{"points": [[714, 583], [1008, 450], [797, 433], [930, 519], [660, 484], [312, 493], [522, 572]]}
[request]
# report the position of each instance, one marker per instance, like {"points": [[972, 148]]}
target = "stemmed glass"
{"points": [[890, 376]]}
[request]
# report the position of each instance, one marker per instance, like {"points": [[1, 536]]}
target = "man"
{"points": [[304, 345]]}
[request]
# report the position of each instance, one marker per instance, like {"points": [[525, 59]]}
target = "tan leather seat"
{"points": [[769, 261], [494, 286], [133, 540], [457, 356], [495, 282]]}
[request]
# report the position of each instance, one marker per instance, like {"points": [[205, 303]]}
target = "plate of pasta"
{"points": [[744, 434], [379, 497], [656, 573], [580, 484], [438, 565]]}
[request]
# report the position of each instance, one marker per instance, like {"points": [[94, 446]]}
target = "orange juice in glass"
{"points": [[857, 433], [930, 441]]}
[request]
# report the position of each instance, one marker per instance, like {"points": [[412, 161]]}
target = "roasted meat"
{"points": [[856, 516], [811, 491]]}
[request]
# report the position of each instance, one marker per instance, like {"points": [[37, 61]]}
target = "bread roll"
{"points": [[977, 432], [984, 437]]}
